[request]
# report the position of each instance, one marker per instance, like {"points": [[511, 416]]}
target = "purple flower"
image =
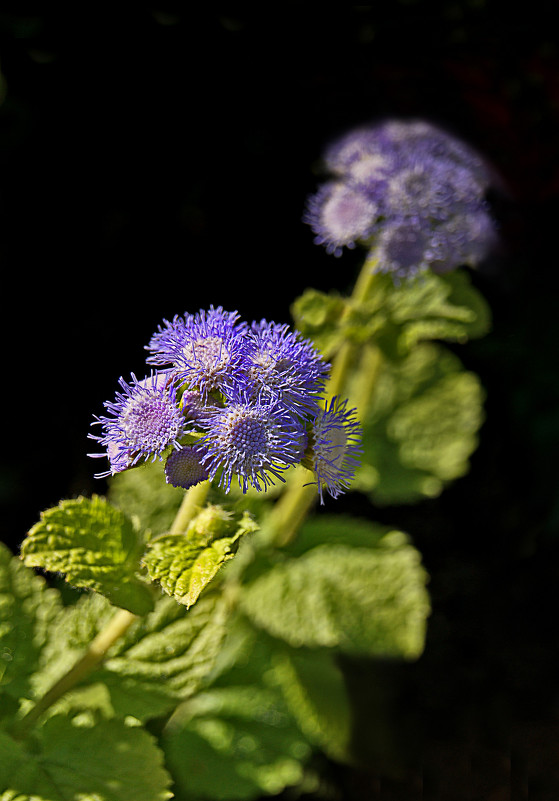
{"points": [[405, 248], [205, 349], [145, 420], [252, 441], [340, 215], [282, 366], [184, 467], [334, 445], [409, 189]]}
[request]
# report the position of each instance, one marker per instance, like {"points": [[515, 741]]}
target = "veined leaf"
{"points": [[27, 609], [162, 659], [314, 688], [429, 306], [237, 739], [396, 317], [105, 762], [95, 545], [317, 315], [143, 493], [184, 564], [356, 600], [421, 426]]}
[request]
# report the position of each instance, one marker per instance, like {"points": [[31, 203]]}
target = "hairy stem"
{"points": [[117, 626]]}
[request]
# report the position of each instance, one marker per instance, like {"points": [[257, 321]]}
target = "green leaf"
{"points": [[166, 657], [237, 739], [27, 609], [398, 316], [144, 494], [314, 688], [106, 762], [184, 564], [71, 632], [317, 315], [162, 659], [96, 546], [356, 600], [421, 426]]}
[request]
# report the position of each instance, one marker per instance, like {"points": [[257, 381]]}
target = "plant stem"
{"points": [[86, 664], [193, 500], [117, 626], [295, 503]]}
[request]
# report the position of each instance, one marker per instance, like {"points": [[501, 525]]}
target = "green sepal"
{"points": [[96, 546], [184, 564]]}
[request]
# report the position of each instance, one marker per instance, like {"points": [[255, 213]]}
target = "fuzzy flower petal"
{"points": [[251, 441], [340, 215], [204, 349], [334, 446], [145, 420], [410, 189], [283, 366]]}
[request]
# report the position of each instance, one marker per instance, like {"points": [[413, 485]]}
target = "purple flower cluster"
{"points": [[226, 400], [411, 191]]}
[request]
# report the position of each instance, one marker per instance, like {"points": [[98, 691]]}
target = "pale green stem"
{"points": [[86, 664], [117, 626], [293, 506], [192, 502]]}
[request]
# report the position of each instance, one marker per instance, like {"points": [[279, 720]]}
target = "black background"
{"points": [[157, 161]]}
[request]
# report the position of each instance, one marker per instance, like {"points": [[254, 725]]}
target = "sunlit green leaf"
{"points": [[162, 659], [357, 600], [65, 762], [27, 609], [143, 493], [95, 545], [184, 564], [237, 739], [314, 688]]}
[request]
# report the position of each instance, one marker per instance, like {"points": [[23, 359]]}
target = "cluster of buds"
{"points": [[227, 400], [411, 191]]}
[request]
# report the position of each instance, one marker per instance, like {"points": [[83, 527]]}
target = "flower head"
{"points": [[410, 189], [340, 215], [184, 467], [334, 445], [252, 441], [283, 366], [145, 420], [204, 349]]}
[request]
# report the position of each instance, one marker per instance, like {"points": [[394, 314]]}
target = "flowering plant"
{"points": [[198, 653]]}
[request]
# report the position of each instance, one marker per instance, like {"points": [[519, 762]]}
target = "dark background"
{"points": [[157, 161]]}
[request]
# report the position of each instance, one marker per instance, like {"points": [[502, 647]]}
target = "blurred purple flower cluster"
{"points": [[411, 192]]}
